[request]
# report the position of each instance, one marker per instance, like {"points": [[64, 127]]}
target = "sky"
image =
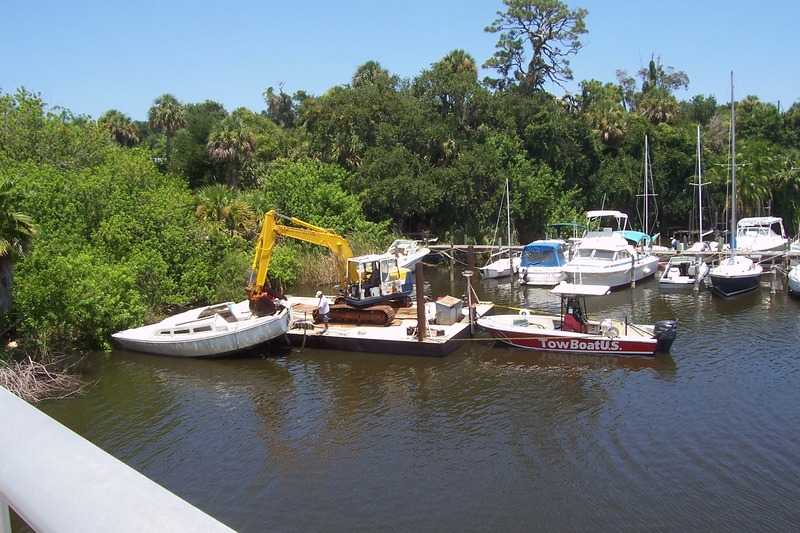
{"points": [[90, 56]]}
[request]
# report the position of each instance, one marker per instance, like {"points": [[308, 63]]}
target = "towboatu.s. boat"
{"points": [[573, 332]]}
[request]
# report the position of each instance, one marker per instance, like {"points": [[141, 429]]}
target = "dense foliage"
{"points": [[131, 218]]}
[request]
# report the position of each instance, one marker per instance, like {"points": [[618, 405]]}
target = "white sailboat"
{"points": [[685, 270], [735, 274], [502, 266]]}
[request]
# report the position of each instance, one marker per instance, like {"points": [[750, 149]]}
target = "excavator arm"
{"points": [[274, 226]]}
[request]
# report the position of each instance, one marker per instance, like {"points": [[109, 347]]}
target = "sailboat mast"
{"points": [[508, 223], [700, 182], [646, 191], [733, 170]]}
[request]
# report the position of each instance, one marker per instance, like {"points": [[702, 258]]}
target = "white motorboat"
{"points": [[683, 271], [606, 257], [687, 271], [572, 332], [408, 253], [543, 263], [211, 331], [761, 234]]}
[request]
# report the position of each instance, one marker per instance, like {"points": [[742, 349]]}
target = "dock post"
{"points": [[696, 273], [773, 279], [452, 263], [633, 272], [470, 285], [422, 320]]}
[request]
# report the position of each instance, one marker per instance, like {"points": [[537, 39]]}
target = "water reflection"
{"points": [[320, 440]]}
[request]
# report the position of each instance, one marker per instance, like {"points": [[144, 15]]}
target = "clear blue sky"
{"points": [[90, 56]]}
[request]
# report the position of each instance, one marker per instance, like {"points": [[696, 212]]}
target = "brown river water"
{"points": [[488, 438]]}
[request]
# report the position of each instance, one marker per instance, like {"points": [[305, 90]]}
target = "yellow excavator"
{"points": [[370, 285]]}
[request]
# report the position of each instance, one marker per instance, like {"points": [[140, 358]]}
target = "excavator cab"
{"points": [[376, 278]]}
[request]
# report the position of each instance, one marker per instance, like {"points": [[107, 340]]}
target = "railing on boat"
{"points": [[57, 481]]}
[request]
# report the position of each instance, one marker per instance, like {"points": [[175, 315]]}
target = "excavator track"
{"points": [[374, 315]]}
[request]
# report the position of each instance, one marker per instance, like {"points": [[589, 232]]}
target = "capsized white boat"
{"points": [[572, 332], [211, 331]]}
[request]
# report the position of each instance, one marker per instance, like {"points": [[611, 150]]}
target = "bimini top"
{"points": [[571, 289], [635, 237], [758, 221], [622, 218], [548, 244], [619, 215]]}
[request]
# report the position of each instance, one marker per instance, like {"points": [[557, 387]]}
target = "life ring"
{"points": [[524, 312]]}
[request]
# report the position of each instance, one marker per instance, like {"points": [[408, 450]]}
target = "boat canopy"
{"points": [[571, 289], [758, 221], [544, 253], [636, 237], [598, 217]]}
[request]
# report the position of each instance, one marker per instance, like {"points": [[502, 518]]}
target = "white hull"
{"points": [[500, 268], [794, 280], [614, 275], [683, 272], [542, 276], [408, 253], [211, 331]]}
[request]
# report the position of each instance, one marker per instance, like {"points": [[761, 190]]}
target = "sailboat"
{"points": [[735, 274], [683, 271], [502, 266]]}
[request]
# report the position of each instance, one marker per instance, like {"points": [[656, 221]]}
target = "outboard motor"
{"points": [[665, 332]]}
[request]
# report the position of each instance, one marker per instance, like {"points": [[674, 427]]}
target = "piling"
{"points": [[419, 281]]}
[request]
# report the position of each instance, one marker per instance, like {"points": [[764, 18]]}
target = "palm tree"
{"points": [[16, 235], [168, 116], [370, 73], [220, 204], [231, 144], [122, 129]]}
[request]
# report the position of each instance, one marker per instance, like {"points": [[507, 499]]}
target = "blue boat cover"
{"points": [[543, 253]]}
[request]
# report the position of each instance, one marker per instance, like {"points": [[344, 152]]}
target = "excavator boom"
{"points": [[368, 283]]}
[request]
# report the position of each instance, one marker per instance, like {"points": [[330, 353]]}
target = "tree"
{"points": [[452, 87], [219, 204], [280, 107], [122, 129], [167, 115], [16, 234], [371, 73], [231, 144], [553, 32], [655, 101]]}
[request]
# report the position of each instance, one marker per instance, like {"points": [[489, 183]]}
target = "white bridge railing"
{"points": [[57, 481]]}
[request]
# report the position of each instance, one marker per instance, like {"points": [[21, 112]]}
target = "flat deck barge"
{"points": [[443, 334]]}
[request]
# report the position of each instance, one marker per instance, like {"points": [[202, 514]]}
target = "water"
{"points": [[488, 438]]}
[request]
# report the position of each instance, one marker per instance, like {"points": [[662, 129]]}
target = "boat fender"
{"points": [[524, 312]]}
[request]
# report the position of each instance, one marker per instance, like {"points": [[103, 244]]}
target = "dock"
{"points": [[441, 337]]}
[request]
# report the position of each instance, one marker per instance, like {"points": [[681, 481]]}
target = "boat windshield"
{"points": [[538, 256], [604, 255]]}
